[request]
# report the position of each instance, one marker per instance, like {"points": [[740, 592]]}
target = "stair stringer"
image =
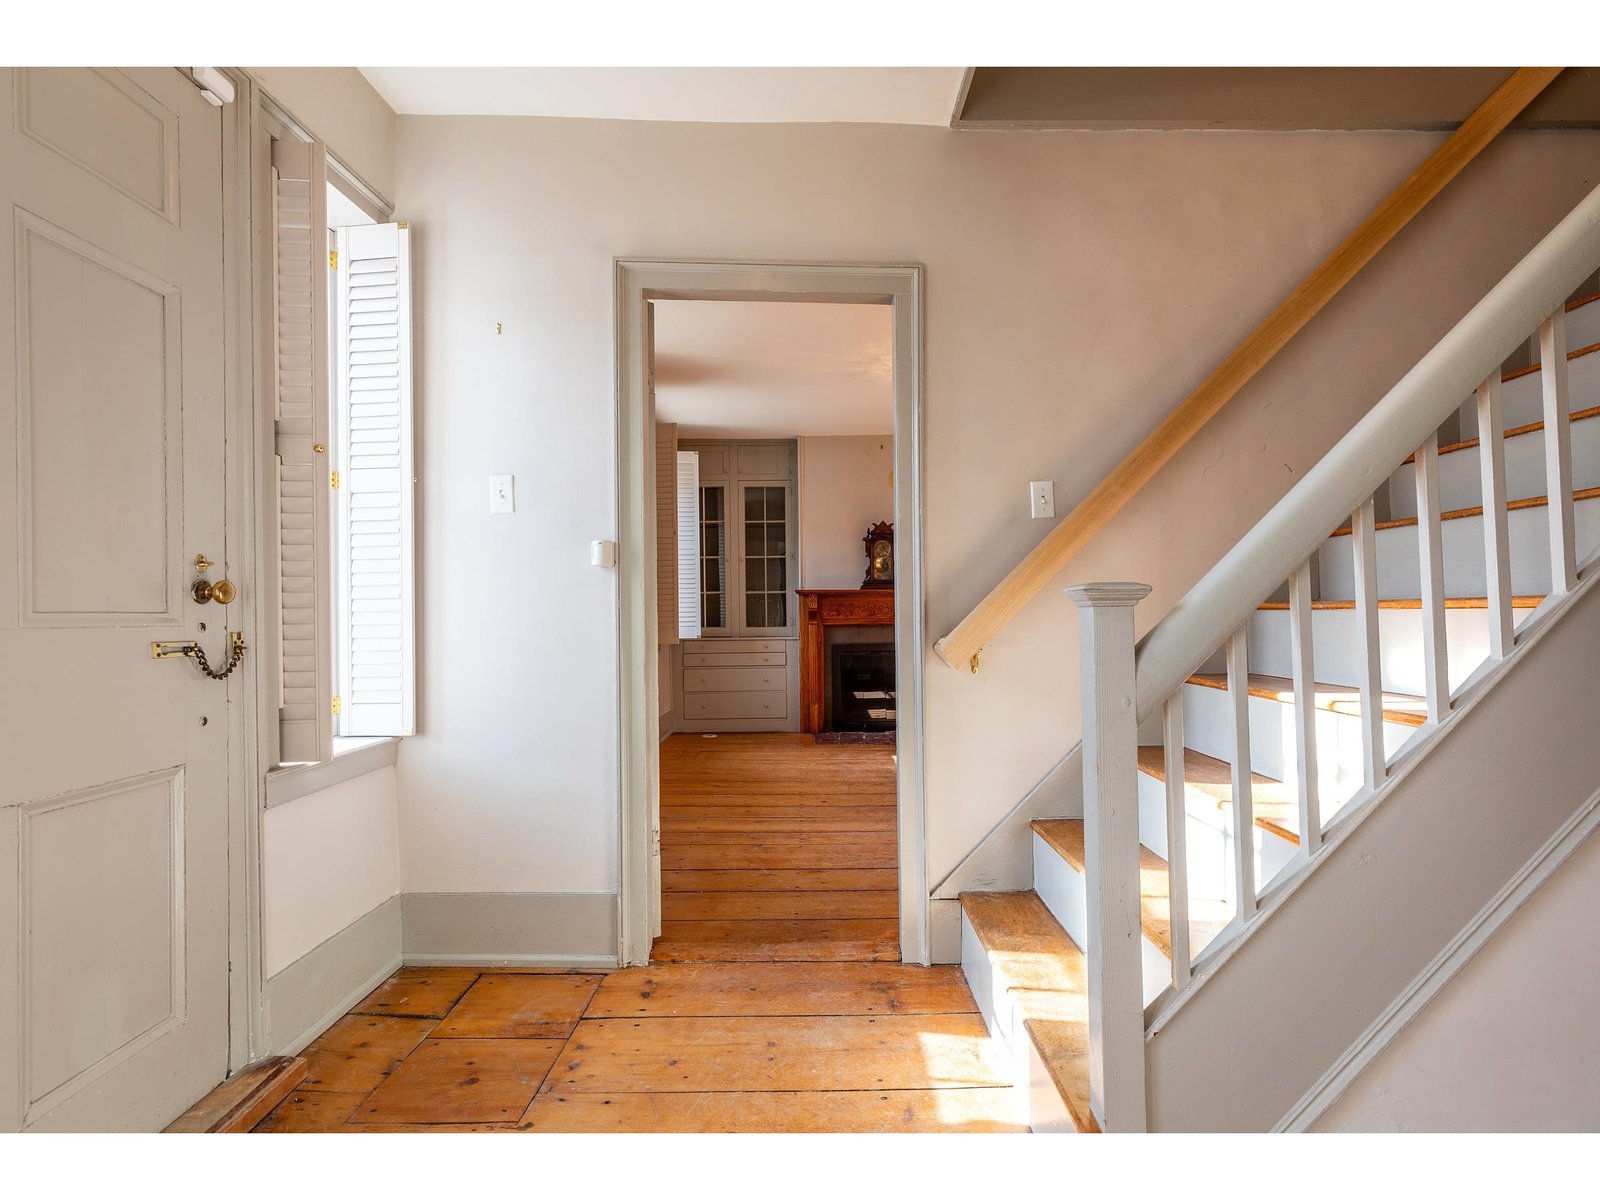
{"points": [[1003, 860], [1398, 882]]}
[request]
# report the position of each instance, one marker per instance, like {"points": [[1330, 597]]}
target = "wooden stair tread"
{"points": [[1045, 974], [1400, 605], [1275, 803], [1064, 835], [1399, 708], [1583, 414], [1508, 376], [1456, 514]]}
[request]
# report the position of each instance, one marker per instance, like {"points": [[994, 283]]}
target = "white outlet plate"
{"points": [[502, 493], [1042, 498]]}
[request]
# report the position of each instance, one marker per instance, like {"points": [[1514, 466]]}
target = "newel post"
{"points": [[1111, 852]]}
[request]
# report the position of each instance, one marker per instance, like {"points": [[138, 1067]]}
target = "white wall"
{"points": [[1512, 1043], [345, 112], [328, 859], [845, 486], [1078, 285]]}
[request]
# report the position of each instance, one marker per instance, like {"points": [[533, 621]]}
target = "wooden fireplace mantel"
{"points": [[819, 608]]}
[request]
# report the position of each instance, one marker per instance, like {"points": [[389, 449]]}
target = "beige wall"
{"points": [[1512, 1043], [845, 486], [1077, 286], [345, 112]]}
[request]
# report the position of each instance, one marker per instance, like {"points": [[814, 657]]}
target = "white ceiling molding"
{"points": [[743, 368], [882, 95]]}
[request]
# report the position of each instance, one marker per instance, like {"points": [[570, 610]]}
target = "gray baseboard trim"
{"points": [[548, 929], [320, 986], [1545, 862], [542, 962]]}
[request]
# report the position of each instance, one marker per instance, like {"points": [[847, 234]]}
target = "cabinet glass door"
{"points": [[767, 555], [713, 557]]}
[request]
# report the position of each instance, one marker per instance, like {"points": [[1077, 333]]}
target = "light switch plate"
{"points": [[502, 494], [1042, 498]]}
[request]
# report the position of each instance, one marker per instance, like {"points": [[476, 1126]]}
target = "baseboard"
{"points": [[543, 962], [510, 928], [1433, 979], [320, 986]]}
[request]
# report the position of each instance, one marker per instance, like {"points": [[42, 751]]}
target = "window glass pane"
{"points": [[755, 539], [755, 610], [776, 604], [713, 562], [774, 503], [753, 508], [775, 574]]}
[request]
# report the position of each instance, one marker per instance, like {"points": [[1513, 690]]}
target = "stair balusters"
{"points": [[1430, 554], [1496, 535], [1303, 664], [1558, 451]]}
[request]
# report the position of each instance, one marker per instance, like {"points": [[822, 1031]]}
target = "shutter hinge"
{"points": [[333, 480], [336, 706], [333, 260]]}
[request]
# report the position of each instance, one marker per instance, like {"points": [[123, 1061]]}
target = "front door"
{"points": [[113, 803]]}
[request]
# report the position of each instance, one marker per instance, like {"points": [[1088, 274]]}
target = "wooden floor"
{"points": [[685, 1048], [778, 869], [775, 849]]}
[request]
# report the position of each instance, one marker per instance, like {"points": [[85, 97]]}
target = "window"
{"points": [[687, 489], [747, 545], [341, 434]]}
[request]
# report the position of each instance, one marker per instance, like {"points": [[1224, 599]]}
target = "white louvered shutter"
{"points": [[300, 427], [688, 505], [667, 534], [375, 612]]}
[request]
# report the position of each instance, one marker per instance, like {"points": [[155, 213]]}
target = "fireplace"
{"points": [[862, 675]]}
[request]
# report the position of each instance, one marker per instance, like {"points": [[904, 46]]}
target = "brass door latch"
{"points": [[204, 591]]}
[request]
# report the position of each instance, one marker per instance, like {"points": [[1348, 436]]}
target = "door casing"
{"points": [[638, 281]]}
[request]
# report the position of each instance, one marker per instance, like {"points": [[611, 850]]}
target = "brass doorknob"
{"points": [[222, 591]]}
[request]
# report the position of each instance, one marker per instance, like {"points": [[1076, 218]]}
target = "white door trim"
{"points": [[240, 266], [636, 282]]}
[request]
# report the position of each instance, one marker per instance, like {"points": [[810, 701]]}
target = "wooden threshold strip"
{"points": [[236, 1105], [1456, 514]]}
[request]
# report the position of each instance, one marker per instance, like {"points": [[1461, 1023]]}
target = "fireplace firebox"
{"points": [[863, 687]]}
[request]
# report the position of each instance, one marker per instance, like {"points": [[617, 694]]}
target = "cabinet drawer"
{"points": [[745, 658], [735, 679], [766, 706]]}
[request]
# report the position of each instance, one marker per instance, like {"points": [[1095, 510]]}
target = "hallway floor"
{"points": [[684, 1048], [776, 849], [778, 870]]}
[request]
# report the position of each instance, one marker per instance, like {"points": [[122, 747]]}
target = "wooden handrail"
{"points": [[962, 644]]}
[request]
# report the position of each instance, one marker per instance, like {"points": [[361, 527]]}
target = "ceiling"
{"points": [[750, 368], [888, 95]]}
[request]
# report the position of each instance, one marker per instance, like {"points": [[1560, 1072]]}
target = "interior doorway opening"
{"points": [[769, 469], [774, 440]]}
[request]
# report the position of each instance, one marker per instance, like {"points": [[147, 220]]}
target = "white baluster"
{"points": [[1496, 541], [1430, 550], [1177, 839], [1558, 451], [1305, 708], [1244, 809], [1364, 545], [1111, 853]]}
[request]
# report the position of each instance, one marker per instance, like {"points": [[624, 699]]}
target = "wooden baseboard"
{"points": [[237, 1104]]}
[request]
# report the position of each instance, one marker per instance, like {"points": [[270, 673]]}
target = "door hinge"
{"points": [[333, 260], [333, 480], [336, 706]]}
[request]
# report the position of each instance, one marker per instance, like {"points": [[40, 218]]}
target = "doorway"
{"points": [[641, 285]]}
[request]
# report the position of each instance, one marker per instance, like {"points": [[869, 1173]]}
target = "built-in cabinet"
{"points": [[742, 673]]}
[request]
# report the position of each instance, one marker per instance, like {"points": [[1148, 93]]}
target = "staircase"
{"points": [[1292, 694]]}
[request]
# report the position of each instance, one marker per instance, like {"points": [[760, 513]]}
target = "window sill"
{"points": [[352, 758]]}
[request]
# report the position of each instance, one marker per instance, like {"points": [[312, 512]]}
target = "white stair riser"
{"points": [[1065, 893], [1524, 395], [1041, 1104], [1583, 326], [1339, 653], [1209, 839], [1465, 568], [1459, 481], [1208, 728]]}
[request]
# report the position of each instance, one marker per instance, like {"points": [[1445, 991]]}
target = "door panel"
{"points": [[113, 803]]}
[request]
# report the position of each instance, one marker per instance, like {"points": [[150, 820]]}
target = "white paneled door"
{"points": [[113, 807]]}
